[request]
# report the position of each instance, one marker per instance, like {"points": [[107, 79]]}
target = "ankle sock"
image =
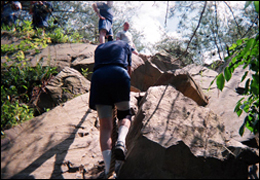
{"points": [[107, 158], [122, 132]]}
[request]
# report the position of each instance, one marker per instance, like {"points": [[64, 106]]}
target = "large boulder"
{"points": [[145, 75], [164, 61], [64, 86], [161, 69], [42, 147], [62, 143], [223, 102], [172, 137], [172, 134], [184, 83], [63, 55]]}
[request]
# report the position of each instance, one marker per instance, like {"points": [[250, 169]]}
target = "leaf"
{"points": [[212, 82], [247, 86], [239, 112], [220, 81], [239, 42], [249, 124], [242, 129], [24, 87], [233, 47], [256, 3], [249, 44], [227, 74], [246, 107], [247, 4], [244, 76], [234, 59], [254, 86]]}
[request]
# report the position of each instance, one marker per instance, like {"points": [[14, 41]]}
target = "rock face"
{"points": [[66, 85], [222, 103], [164, 61], [42, 147], [183, 83], [65, 55], [173, 137], [180, 127]]}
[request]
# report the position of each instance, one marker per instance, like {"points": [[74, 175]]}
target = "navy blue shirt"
{"points": [[105, 11], [113, 52]]}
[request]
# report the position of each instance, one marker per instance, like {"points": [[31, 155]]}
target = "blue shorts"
{"points": [[109, 85], [107, 25]]}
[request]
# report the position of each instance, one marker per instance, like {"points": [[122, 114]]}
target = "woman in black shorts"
{"points": [[110, 86]]}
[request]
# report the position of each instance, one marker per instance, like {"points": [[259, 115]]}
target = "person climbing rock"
{"points": [[10, 12], [105, 23], [41, 11], [126, 36], [110, 86]]}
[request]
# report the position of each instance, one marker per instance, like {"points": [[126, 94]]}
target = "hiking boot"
{"points": [[120, 151]]}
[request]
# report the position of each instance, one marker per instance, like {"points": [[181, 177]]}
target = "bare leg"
{"points": [[102, 35], [124, 122], [106, 127]]}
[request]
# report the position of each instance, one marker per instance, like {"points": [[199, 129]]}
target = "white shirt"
{"points": [[125, 36]]}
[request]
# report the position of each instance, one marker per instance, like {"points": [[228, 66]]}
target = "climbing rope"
{"points": [[114, 138]]}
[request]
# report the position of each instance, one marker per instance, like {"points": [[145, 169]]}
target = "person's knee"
{"points": [[124, 114], [102, 32]]}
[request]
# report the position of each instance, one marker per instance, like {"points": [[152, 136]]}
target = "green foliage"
{"points": [[17, 83], [220, 25], [245, 52], [85, 72], [19, 80], [13, 113], [58, 36]]}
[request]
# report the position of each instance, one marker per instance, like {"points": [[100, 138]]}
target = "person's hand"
{"points": [[101, 17]]}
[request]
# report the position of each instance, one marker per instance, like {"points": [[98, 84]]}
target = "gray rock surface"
{"points": [[172, 135]]}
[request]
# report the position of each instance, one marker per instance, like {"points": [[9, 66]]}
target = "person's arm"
{"points": [[31, 7], [118, 36], [94, 5], [135, 51]]}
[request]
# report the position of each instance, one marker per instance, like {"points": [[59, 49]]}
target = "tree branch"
{"points": [[201, 15], [165, 22], [250, 26], [216, 22], [233, 17]]}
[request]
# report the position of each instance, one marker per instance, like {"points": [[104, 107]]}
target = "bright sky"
{"points": [[150, 19]]}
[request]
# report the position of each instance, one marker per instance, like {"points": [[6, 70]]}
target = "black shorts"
{"points": [[109, 84]]}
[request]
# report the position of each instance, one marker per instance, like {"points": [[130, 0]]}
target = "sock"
{"points": [[122, 132], [107, 158]]}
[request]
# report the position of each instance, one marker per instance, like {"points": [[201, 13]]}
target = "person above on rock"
{"points": [[41, 11], [110, 86], [126, 36], [10, 12], [105, 15]]}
